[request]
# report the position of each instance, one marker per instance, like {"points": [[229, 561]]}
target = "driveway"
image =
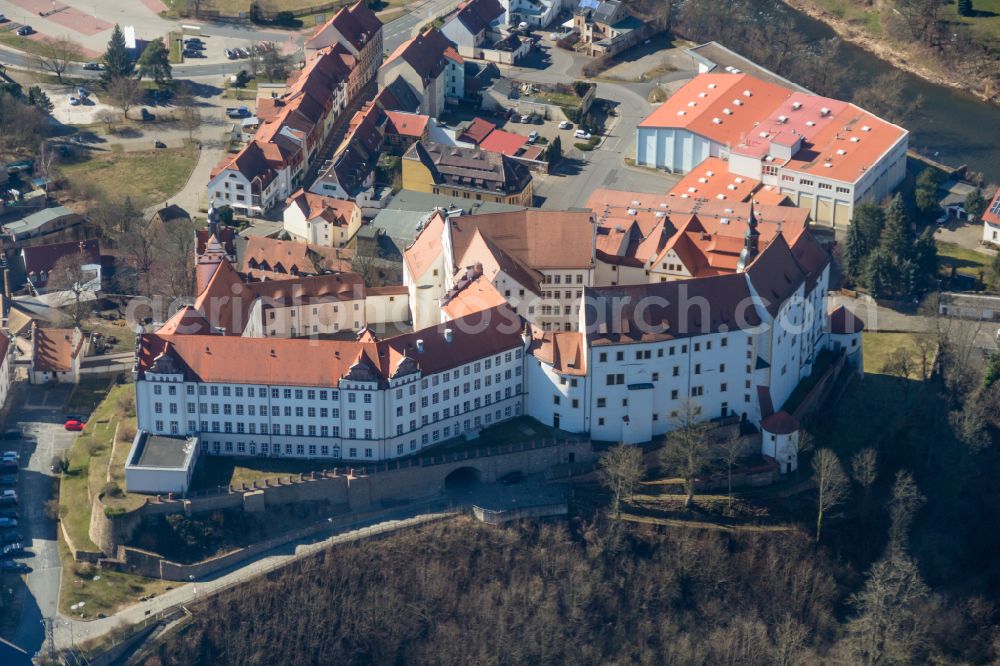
{"points": [[40, 415]]}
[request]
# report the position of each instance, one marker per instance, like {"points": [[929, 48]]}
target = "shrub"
{"points": [[93, 447], [125, 405], [113, 511], [581, 88], [285, 18], [126, 433], [583, 146], [84, 570], [111, 489]]}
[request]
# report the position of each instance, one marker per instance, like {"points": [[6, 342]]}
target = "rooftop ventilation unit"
{"points": [[811, 123], [703, 94], [737, 180], [636, 204], [737, 102], [420, 345], [685, 196], [855, 139], [692, 104], [747, 93], [730, 187], [692, 189], [824, 111], [865, 128], [716, 121], [660, 213], [712, 86], [796, 106], [724, 220], [449, 335], [682, 113], [709, 173], [841, 151], [782, 119], [727, 111], [632, 211], [703, 180], [720, 197], [763, 135]]}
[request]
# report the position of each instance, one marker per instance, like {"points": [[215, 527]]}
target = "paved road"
{"points": [[40, 417]]}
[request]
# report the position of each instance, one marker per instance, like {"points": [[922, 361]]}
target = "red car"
{"points": [[74, 425]]}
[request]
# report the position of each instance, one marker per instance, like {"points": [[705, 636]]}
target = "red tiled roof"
{"points": [[223, 234], [55, 349], [780, 423], [335, 211], [407, 124], [992, 213], [39, 258], [276, 258], [565, 351], [476, 131], [471, 296], [499, 141]]}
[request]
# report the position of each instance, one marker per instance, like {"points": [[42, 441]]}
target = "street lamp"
{"points": [[194, 588]]}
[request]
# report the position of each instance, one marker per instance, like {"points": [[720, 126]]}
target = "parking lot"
{"points": [[39, 415]]}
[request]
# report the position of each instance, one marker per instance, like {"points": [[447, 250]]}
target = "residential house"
{"points": [[80, 259], [359, 30], [468, 25], [470, 173], [430, 66], [54, 221], [56, 354], [271, 259], [320, 220], [608, 28], [404, 129], [991, 221]]}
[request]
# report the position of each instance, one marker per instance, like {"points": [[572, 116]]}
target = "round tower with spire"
{"points": [[751, 242]]}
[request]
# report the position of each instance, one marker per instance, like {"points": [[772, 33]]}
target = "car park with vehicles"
{"points": [[6, 523], [10, 566], [8, 479], [8, 496], [10, 536]]}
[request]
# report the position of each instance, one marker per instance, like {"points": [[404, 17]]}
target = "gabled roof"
{"points": [[470, 168], [337, 212], [305, 362], [775, 274], [223, 234], [186, 321], [426, 248], [425, 53], [476, 131], [507, 143], [540, 239], [476, 15], [991, 215], [407, 124], [42, 258], [357, 24], [251, 162], [55, 349], [565, 351], [471, 295], [271, 257]]}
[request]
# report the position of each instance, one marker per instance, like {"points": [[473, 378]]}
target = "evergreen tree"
{"points": [[117, 61], [879, 274], [992, 369], [926, 258], [975, 204], [38, 99], [926, 194], [964, 7], [862, 238], [897, 237], [154, 62]]}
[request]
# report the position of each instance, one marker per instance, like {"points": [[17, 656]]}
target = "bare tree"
{"points": [[124, 92], [274, 64], [803, 444], [46, 163], [108, 118], [887, 629], [831, 482], [621, 471], [900, 365], [56, 55], [731, 451], [864, 469], [903, 506], [187, 111], [175, 258], [687, 449], [69, 275]]}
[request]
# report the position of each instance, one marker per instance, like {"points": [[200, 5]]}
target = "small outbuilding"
{"points": [[160, 464]]}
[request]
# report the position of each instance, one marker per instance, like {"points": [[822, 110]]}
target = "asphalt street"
{"points": [[40, 416]]}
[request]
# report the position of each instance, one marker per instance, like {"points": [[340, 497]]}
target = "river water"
{"points": [[949, 126]]}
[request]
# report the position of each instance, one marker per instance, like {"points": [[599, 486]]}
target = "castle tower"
{"points": [[208, 262], [751, 242]]}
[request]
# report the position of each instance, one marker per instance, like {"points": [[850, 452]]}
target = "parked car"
{"points": [[238, 112], [525, 119], [11, 548], [231, 54], [582, 134], [533, 137], [9, 536], [191, 53], [75, 425], [2, 18], [511, 478], [25, 30], [8, 480], [565, 125], [10, 456], [12, 434], [8, 522], [8, 496], [74, 101], [194, 41], [10, 566], [82, 92], [241, 53], [8, 513], [94, 66]]}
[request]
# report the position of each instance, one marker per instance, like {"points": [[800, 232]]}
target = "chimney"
{"points": [[449, 335]]}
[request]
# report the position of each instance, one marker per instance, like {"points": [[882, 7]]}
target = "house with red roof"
{"points": [[359, 31], [325, 221], [823, 154]]}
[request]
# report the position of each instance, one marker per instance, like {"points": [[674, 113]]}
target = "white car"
{"points": [[74, 101], [565, 124], [533, 137], [581, 134]]}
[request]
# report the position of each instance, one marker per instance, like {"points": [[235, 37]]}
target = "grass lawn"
{"points": [[89, 457], [124, 336], [391, 15], [877, 347], [21, 43], [566, 100], [213, 471], [147, 176], [102, 592], [985, 22], [966, 262], [87, 395]]}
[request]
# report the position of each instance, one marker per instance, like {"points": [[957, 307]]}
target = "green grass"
{"points": [[566, 100], [147, 176], [89, 457], [878, 347], [986, 26], [21, 43], [966, 262], [87, 395], [213, 471], [101, 591]]}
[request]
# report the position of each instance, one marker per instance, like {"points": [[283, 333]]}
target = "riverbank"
{"points": [[899, 57]]}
